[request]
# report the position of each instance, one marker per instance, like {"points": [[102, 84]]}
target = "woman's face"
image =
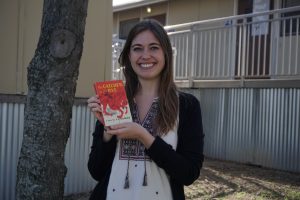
{"points": [[146, 56]]}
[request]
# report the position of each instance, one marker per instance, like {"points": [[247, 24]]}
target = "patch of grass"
{"points": [[268, 195], [243, 195], [292, 195], [240, 195]]}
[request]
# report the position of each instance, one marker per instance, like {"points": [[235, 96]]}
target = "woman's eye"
{"points": [[137, 49], [154, 48]]}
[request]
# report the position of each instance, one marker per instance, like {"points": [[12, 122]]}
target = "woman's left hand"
{"points": [[132, 130]]}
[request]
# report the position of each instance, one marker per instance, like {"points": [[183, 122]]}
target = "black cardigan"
{"points": [[183, 165]]}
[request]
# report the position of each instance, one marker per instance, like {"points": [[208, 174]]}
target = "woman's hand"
{"points": [[132, 130], [94, 105]]}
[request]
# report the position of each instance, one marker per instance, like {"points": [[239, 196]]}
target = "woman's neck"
{"points": [[148, 88], [145, 96]]}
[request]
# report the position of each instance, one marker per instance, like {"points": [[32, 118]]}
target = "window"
{"points": [[290, 19], [125, 27], [160, 18]]}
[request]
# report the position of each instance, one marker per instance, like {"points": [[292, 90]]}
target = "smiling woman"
{"points": [[158, 153]]}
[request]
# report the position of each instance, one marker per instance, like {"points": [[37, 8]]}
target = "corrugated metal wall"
{"points": [[77, 150], [257, 126], [78, 178], [11, 126]]}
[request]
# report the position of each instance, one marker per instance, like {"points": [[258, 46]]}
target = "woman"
{"points": [[162, 150]]}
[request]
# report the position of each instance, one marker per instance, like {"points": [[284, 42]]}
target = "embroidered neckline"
{"points": [[133, 148], [149, 118]]}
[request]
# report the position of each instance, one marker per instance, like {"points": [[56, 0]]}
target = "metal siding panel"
{"points": [[240, 143], [297, 130], [15, 146], [220, 125], [276, 133], [8, 149], [11, 125], [212, 106], [258, 126], [11, 132], [3, 147], [231, 117], [78, 178]]}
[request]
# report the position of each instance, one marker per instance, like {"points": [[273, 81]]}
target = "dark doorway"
{"points": [[257, 58]]}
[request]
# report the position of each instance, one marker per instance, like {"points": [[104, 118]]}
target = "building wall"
{"points": [[8, 45], [257, 126], [97, 57], [20, 28], [195, 10], [179, 11]]}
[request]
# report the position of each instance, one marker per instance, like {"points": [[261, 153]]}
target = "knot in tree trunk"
{"points": [[62, 43]]}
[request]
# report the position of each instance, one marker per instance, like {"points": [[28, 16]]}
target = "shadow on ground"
{"points": [[230, 181]]}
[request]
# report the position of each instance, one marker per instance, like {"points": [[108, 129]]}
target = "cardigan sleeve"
{"points": [[183, 165], [102, 154]]}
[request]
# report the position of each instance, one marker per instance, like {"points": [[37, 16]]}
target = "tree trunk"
{"points": [[52, 76]]}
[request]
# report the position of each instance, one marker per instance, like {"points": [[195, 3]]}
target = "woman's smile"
{"points": [[147, 65]]}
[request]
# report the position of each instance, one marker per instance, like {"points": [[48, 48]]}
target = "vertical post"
{"points": [[190, 57], [243, 49]]}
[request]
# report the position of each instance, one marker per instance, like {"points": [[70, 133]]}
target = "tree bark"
{"points": [[51, 78]]}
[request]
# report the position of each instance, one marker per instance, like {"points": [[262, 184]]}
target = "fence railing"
{"points": [[261, 45]]}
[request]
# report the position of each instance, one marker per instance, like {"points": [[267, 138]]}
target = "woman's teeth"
{"points": [[146, 65]]}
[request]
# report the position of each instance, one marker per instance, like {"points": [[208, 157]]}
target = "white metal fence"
{"points": [[239, 47]]}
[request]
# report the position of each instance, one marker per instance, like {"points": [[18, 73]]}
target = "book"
{"points": [[113, 101]]}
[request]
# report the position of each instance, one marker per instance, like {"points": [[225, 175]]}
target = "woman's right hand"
{"points": [[94, 105]]}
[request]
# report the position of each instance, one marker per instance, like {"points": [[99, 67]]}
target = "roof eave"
{"points": [[136, 5]]}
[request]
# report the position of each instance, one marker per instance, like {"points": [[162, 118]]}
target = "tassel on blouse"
{"points": [[145, 180], [126, 184], [145, 173]]}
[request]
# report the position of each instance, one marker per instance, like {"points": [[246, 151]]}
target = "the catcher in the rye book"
{"points": [[158, 153], [113, 102]]}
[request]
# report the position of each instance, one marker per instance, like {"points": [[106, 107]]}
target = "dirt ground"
{"points": [[230, 181]]}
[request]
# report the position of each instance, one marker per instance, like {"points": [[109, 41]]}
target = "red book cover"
{"points": [[114, 102]]}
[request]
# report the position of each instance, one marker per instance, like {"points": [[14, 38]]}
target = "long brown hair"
{"points": [[168, 99]]}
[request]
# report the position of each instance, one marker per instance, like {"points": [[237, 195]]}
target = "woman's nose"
{"points": [[146, 54]]}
